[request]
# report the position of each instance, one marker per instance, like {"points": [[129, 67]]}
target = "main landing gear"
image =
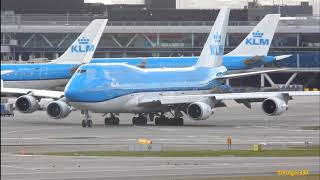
{"points": [[87, 122], [165, 121], [112, 120], [141, 120]]}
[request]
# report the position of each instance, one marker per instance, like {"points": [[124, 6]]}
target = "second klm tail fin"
{"points": [[83, 48], [212, 52], [258, 41]]}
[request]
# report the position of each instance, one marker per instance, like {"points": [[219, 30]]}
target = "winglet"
{"points": [[212, 52], [83, 48], [258, 41]]}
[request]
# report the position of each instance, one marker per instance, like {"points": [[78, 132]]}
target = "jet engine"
{"points": [[199, 111], [27, 104], [274, 106], [58, 109]]}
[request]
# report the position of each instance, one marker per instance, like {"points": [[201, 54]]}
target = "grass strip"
{"points": [[311, 128], [292, 152]]}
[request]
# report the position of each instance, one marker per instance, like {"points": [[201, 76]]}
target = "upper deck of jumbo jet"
{"points": [[125, 68]]}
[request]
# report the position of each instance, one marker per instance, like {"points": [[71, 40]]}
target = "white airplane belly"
{"points": [[35, 84], [126, 104]]}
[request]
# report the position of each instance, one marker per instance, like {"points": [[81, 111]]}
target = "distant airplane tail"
{"points": [[212, 52], [258, 41], [83, 48]]}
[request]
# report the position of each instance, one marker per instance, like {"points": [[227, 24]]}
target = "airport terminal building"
{"points": [[161, 29]]}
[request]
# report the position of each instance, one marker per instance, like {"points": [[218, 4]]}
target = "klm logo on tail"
{"points": [[83, 46], [216, 49], [257, 39]]}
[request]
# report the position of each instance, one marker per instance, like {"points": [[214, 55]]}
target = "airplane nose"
{"points": [[72, 93]]}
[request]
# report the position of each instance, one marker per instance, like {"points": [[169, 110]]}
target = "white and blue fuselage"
{"points": [[230, 62], [44, 76], [39, 76], [116, 87]]}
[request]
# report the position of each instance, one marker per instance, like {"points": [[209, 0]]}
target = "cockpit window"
{"points": [[82, 71], [89, 71]]}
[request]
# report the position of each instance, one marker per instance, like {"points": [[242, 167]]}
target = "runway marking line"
{"points": [[18, 167], [31, 138], [30, 130], [151, 128]]}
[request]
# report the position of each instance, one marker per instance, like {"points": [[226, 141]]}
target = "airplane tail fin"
{"points": [[212, 52], [258, 41], [83, 48]]}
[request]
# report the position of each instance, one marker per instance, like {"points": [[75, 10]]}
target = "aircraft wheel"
{"points": [[116, 121], [179, 121], [134, 120], [84, 123], [169, 121], [143, 121], [157, 121], [106, 121], [89, 123]]}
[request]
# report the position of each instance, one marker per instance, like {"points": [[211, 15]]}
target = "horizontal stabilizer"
{"points": [[282, 57]]}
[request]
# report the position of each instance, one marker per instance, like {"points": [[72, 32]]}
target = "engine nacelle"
{"points": [[58, 109], [199, 111], [27, 104], [274, 106]]}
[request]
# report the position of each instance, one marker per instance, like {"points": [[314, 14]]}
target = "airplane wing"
{"points": [[33, 92], [239, 97], [237, 75]]}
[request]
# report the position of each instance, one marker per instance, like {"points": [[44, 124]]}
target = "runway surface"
{"points": [[37, 133], [44, 167]]}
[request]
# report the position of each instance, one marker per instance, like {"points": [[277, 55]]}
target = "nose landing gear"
{"points": [[87, 122]]}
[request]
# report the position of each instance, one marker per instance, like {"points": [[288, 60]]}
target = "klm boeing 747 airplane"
{"points": [[113, 88], [59, 71], [252, 51]]}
